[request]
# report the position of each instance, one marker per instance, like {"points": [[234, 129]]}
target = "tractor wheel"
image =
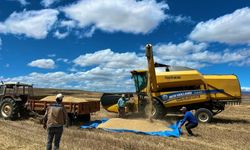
{"points": [[158, 111], [8, 109], [204, 115]]}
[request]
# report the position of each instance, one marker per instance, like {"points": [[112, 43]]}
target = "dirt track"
{"points": [[229, 130]]}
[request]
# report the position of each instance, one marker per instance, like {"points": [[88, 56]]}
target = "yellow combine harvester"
{"points": [[173, 87]]}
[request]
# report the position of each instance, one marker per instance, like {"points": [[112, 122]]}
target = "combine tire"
{"points": [[8, 109], [204, 115], [158, 110]]}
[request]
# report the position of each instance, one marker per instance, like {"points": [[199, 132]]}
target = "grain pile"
{"points": [[132, 124], [65, 99]]}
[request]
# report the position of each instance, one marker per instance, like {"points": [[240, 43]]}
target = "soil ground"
{"points": [[229, 130]]}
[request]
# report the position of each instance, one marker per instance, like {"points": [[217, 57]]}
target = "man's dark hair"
{"points": [[58, 100]]}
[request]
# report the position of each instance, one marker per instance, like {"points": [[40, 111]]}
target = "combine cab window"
{"points": [[140, 81]]}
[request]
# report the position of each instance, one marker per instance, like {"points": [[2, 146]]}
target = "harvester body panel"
{"points": [[178, 79], [227, 84]]}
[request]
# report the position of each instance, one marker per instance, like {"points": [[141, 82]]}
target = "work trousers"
{"points": [[54, 133], [121, 111], [190, 126]]}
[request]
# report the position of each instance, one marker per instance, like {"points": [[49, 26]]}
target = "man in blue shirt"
{"points": [[121, 105], [192, 121]]}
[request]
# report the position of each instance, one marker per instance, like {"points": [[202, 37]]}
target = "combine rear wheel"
{"points": [[8, 109], [204, 115]]}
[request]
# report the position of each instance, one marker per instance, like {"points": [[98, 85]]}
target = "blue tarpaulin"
{"points": [[174, 132]]}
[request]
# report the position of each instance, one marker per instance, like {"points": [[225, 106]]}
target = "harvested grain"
{"points": [[132, 124], [65, 99]]}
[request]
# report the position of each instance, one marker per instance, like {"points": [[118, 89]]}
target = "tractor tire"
{"points": [[204, 115], [9, 109], [158, 110]]}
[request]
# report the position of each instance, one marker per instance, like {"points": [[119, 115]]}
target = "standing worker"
{"points": [[54, 119], [121, 105], [192, 121]]}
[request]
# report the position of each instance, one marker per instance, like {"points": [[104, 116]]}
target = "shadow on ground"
{"points": [[227, 120]]}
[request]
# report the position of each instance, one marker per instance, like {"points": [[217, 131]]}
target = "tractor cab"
{"points": [[13, 96], [16, 90]]}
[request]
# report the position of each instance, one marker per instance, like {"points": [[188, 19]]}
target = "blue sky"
{"points": [[93, 44]]}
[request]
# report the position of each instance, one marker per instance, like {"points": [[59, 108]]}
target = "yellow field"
{"points": [[229, 130]]}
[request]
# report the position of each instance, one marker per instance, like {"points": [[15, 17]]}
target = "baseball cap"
{"points": [[183, 108], [59, 96]]}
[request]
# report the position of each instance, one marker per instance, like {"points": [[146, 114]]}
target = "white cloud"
{"points": [[97, 79], [22, 2], [180, 19], [170, 50], [47, 3], [65, 60], [198, 55], [129, 16], [245, 89], [232, 28], [90, 32], [73, 69], [35, 24], [43, 63], [60, 35], [246, 62], [108, 58]]}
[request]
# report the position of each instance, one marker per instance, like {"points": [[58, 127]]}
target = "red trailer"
{"points": [[74, 109]]}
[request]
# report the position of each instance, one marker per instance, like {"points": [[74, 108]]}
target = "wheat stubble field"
{"points": [[229, 130]]}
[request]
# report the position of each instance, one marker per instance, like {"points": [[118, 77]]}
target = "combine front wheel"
{"points": [[158, 111]]}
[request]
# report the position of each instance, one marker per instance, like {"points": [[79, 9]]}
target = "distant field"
{"points": [[42, 92], [229, 130]]}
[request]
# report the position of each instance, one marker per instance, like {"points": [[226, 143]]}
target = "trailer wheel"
{"points": [[158, 111], [70, 120], [204, 115], [85, 117], [8, 109]]}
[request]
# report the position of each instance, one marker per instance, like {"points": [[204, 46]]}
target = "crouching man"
{"points": [[54, 119], [192, 121]]}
